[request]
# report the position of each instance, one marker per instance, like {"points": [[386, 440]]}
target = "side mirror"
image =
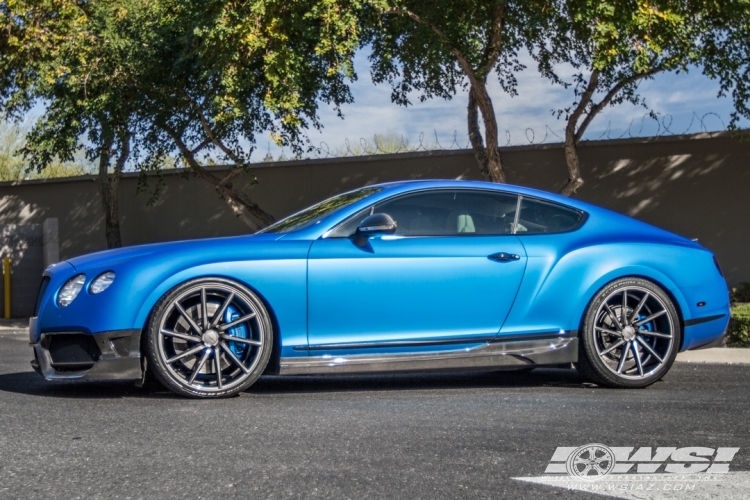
{"points": [[374, 224]]}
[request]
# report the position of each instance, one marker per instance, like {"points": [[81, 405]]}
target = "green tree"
{"points": [[227, 72], [726, 53], [140, 80], [74, 57], [437, 48], [612, 47]]}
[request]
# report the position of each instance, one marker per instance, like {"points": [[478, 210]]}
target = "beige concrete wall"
{"points": [[696, 186]]}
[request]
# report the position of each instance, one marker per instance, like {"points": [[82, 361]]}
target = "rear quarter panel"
{"points": [[565, 271]]}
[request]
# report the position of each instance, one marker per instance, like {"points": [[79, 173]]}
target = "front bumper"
{"points": [[112, 355]]}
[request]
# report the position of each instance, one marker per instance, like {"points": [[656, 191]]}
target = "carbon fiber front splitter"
{"points": [[112, 355]]}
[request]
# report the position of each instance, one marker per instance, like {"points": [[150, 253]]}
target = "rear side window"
{"points": [[541, 217]]}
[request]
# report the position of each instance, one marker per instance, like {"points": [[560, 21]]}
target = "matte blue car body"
{"points": [[318, 290], [429, 288]]}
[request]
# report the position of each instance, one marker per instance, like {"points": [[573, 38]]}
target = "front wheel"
{"points": [[209, 338], [631, 334]]}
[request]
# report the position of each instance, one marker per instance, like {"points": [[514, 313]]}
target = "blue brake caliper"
{"points": [[237, 348], [649, 327]]}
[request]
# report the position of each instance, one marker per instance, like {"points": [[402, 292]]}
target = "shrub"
{"points": [[738, 332]]}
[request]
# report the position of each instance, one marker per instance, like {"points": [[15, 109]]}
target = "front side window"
{"points": [[443, 213], [315, 213], [537, 217]]}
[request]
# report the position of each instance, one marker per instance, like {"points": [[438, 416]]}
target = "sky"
{"points": [[681, 101]]}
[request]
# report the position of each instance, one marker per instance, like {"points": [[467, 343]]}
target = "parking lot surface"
{"points": [[448, 435]]}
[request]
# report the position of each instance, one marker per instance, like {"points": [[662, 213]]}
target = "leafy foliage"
{"points": [[195, 79], [225, 72], [72, 56], [725, 43], [738, 332]]}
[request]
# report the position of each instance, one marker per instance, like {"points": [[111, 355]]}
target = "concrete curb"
{"points": [[14, 324], [718, 355], [14, 327]]}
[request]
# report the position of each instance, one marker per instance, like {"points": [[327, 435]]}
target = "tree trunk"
{"points": [[475, 137], [575, 180], [233, 198], [488, 156], [108, 186], [573, 133], [108, 196]]}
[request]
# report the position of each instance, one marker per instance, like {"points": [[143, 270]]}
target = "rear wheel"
{"points": [[631, 334], [209, 338]]}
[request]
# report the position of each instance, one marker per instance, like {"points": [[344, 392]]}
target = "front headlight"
{"points": [[70, 290], [102, 282]]}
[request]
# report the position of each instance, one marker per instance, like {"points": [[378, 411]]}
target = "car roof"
{"points": [[409, 185]]}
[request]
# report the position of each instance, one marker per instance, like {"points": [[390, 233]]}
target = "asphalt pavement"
{"points": [[449, 435]]}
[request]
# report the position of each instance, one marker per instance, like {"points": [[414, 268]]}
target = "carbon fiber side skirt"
{"points": [[490, 356]]}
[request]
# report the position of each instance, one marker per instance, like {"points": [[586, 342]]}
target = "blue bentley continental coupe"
{"points": [[405, 276]]}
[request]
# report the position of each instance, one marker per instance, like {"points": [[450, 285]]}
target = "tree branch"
{"points": [[462, 59], [494, 46], [610, 95], [210, 133], [200, 146], [570, 129], [124, 137], [222, 185]]}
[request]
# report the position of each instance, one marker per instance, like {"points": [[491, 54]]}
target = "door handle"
{"points": [[503, 256]]}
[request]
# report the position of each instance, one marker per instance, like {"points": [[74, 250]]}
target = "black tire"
{"points": [[193, 356], [649, 348]]}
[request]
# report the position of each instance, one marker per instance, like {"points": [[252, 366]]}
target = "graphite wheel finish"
{"points": [[209, 338], [631, 334]]}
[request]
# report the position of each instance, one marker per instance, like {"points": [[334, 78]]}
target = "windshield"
{"points": [[315, 213]]}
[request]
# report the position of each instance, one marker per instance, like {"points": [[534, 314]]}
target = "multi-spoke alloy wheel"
{"points": [[209, 338], [631, 334]]}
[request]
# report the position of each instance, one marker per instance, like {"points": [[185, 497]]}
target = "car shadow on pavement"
{"points": [[540, 377], [32, 384]]}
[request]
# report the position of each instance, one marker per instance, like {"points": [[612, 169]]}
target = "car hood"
{"points": [[208, 246]]}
